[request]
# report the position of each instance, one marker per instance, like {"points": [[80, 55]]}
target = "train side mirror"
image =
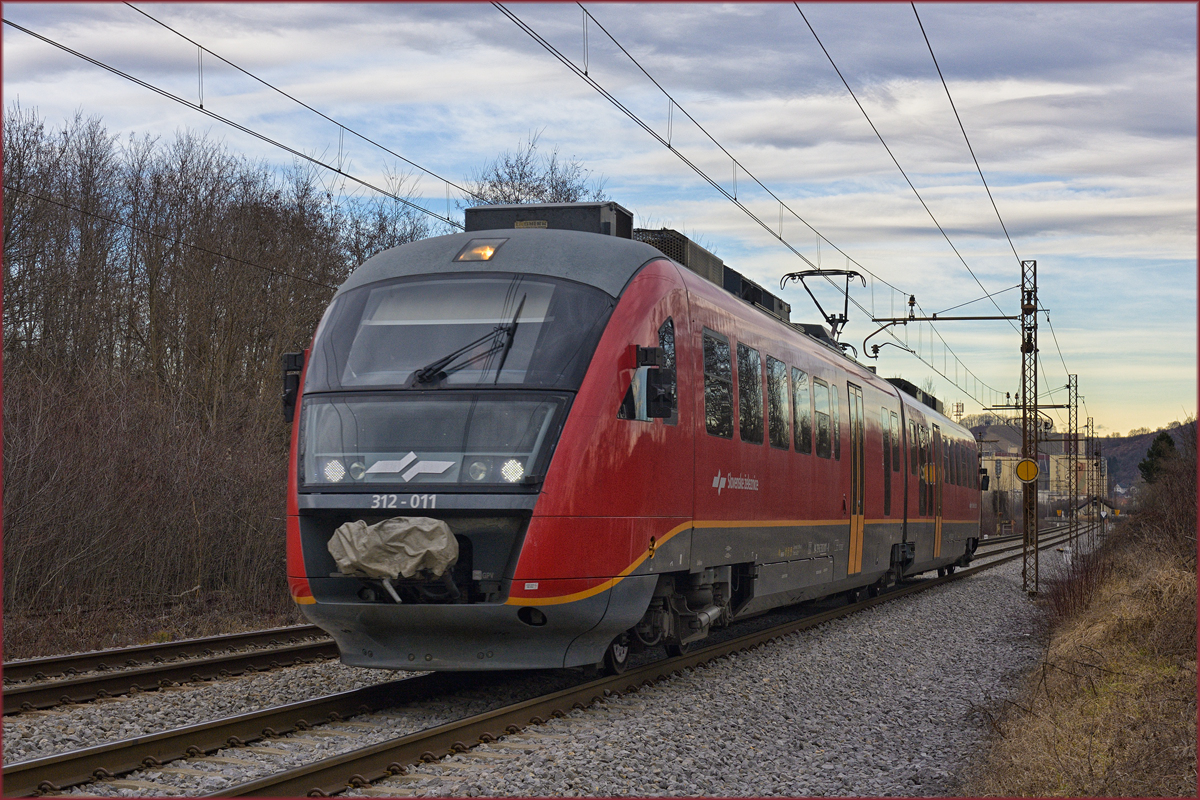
{"points": [[658, 394], [984, 479], [293, 365], [658, 383]]}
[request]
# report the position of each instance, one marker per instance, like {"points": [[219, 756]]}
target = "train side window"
{"points": [[635, 405], [802, 405], [750, 399], [779, 414], [821, 413], [885, 426], [718, 386], [895, 442], [837, 421]]}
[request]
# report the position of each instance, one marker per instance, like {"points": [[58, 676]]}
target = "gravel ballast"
{"points": [[888, 701]]}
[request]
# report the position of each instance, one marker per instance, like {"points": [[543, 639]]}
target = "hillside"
{"points": [[1124, 453]]}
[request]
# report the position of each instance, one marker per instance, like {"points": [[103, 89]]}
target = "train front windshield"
{"points": [[451, 380]]}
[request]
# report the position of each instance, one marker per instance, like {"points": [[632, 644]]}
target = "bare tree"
{"points": [[525, 176]]}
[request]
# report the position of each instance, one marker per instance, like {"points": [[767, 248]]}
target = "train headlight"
{"points": [[479, 250], [512, 471], [477, 470], [334, 471], [358, 470]]}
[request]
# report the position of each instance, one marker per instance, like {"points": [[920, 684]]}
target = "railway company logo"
{"points": [[419, 468], [730, 482]]}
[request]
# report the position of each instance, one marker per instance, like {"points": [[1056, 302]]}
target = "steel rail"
{"points": [[24, 697], [365, 765], [120, 658], [54, 773]]}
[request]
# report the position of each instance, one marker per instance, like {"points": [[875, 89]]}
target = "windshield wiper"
{"points": [[445, 366], [512, 334]]}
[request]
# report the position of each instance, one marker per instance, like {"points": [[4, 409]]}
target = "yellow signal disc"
{"points": [[1027, 470]]}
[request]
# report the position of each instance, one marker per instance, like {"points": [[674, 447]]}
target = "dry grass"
{"points": [[1112, 709], [74, 630]]}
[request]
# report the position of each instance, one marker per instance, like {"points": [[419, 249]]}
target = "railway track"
{"points": [[111, 673], [364, 765], [111, 683]]}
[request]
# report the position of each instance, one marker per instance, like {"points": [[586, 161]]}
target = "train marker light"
{"points": [[512, 471], [334, 471], [477, 471], [479, 250]]}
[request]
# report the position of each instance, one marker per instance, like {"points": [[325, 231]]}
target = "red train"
{"points": [[626, 453]]}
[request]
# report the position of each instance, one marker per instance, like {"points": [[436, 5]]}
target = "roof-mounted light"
{"points": [[479, 250]]}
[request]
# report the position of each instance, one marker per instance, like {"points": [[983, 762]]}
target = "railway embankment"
{"points": [[1110, 710]]}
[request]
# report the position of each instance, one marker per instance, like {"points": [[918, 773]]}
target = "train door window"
{"points": [[895, 442], [635, 406], [837, 421], [947, 472], [718, 386], [923, 471], [666, 342], [802, 404], [750, 399], [927, 446], [779, 413], [821, 414], [914, 467], [885, 426]]}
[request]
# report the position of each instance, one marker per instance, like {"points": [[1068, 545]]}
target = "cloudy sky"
{"points": [[1083, 118]]}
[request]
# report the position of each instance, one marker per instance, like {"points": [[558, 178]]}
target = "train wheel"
{"points": [[875, 588], [941, 572], [854, 595], [616, 657], [950, 569], [676, 650]]}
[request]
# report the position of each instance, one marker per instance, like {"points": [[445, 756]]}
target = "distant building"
{"points": [[1000, 449]]}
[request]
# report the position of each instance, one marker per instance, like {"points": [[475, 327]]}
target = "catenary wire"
{"points": [[638, 121], [977, 299], [895, 161], [731, 157], [979, 169], [964, 132], [299, 102], [169, 239], [235, 125]]}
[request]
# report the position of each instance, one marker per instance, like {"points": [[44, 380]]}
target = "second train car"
{"points": [[626, 453]]}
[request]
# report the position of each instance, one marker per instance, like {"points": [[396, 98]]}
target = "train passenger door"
{"points": [[857, 514], [936, 476]]}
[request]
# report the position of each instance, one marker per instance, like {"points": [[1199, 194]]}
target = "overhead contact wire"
{"points": [[731, 157], [235, 125], [299, 102], [565, 61], [895, 161]]}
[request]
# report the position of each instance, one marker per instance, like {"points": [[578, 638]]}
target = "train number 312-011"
{"points": [[395, 501]]}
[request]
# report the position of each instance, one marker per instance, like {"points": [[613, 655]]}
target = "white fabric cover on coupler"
{"points": [[397, 547]]}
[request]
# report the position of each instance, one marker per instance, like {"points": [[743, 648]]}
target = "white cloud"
{"points": [[1083, 118]]}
